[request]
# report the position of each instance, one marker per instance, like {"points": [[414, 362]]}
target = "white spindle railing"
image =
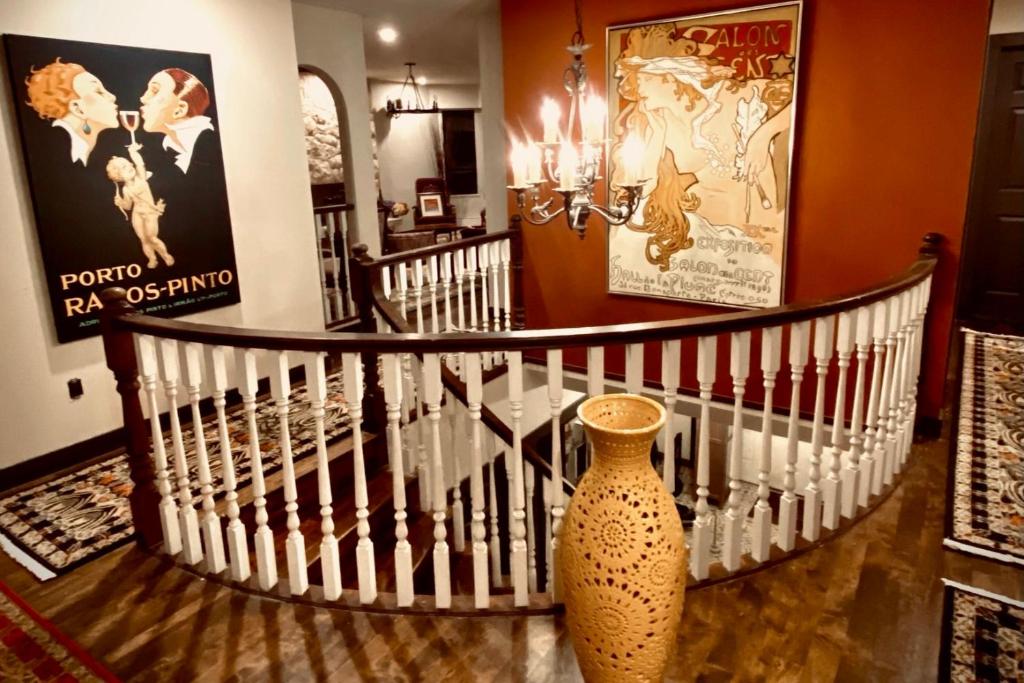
{"points": [[440, 433]]}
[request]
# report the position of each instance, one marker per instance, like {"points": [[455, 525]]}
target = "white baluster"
{"points": [[457, 417], [472, 273], [423, 469], [874, 432], [460, 279], [493, 259], [917, 332], [446, 285], [392, 380], [495, 539], [318, 227], [342, 218], [531, 541], [442, 566], [238, 546], [432, 276], [266, 563], [520, 573], [385, 281], [474, 397], [702, 526], [192, 549], [900, 379], [799, 338], [771, 361], [885, 436], [852, 481], [352, 372], [739, 368], [402, 288], [417, 292], [294, 545], [824, 331], [213, 542], [554, 357], [832, 487], [595, 386], [168, 507], [634, 368], [670, 350], [335, 267], [506, 260], [316, 390], [486, 294]]}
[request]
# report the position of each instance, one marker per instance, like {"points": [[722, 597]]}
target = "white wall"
{"points": [[1007, 16], [406, 148], [254, 65], [332, 41], [492, 131]]}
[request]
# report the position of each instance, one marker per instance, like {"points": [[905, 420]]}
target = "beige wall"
{"points": [[252, 47], [1007, 16]]}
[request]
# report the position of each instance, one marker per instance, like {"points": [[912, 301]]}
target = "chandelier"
{"points": [[400, 105], [570, 158]]}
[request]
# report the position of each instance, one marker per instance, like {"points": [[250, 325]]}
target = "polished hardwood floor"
{"points": [[866, 606]]}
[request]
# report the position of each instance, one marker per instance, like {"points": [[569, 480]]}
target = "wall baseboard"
{"points": [[55, 462]]}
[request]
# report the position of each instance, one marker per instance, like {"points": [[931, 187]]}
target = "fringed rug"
{"points": [[986, 516], [982, 636], [32, 649], [65, 522]]}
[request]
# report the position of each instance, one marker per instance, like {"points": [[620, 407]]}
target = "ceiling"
{"points": [[439, 35]]}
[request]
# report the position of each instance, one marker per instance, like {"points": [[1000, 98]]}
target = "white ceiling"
{"points": [[439, 35]]}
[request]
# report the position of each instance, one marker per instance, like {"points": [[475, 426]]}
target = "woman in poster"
{"points": [[76, 100], [709, 133]]}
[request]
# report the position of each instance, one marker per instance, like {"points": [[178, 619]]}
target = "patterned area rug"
{"points": [[70, 520], [987, 488], [982, 636], [32, 649]]}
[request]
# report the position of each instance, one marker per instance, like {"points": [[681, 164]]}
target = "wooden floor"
{"points": [[865, 607]]}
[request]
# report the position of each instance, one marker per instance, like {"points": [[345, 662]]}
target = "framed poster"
{"points": [[123, 157], [430, 205], [713, 99]]}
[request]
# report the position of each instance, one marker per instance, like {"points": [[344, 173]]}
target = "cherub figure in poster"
{"points": [[76, 100], [716, 135], [133, 194]]}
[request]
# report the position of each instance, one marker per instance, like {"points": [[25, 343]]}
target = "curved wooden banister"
{"points": [[434, 249], [523, 340]]}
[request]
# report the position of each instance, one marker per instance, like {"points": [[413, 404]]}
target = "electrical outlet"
{"points": [[75, 389]]}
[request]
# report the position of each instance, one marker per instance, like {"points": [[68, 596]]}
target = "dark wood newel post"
{"points": [[518, 303], [362, 272], [119, 348], [931, 244]]}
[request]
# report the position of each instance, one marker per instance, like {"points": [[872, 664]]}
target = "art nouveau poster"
{"points": [[123, 156], [713, 98]]}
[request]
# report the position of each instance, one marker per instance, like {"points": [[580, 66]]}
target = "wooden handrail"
{"points": [[434, 249], [522, 340]]}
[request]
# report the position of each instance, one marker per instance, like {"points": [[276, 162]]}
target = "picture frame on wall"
{"points": [[713, 98], [431, 205], [123, 156]]}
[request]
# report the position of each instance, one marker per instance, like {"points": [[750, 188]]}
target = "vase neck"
{"points": [[618, 449]]}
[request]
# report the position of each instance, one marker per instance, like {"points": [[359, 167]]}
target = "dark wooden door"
{"points": [[992, 269]]}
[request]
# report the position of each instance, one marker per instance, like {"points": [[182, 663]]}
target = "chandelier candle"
{"points": [[572, 157]]}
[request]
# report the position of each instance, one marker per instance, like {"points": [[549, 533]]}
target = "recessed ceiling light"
{"points": [[422, 80], [387, 34]]}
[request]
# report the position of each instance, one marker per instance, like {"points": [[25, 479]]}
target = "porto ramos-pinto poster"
{"points": [[123, 155], [713, 98]]}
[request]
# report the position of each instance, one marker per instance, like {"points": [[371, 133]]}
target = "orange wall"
{"points": [[888, 97]]}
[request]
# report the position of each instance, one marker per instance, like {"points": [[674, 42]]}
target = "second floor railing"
{"points": [[394, 469]]}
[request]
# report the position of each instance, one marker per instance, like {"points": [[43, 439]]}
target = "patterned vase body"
{"points": [[622, 561]]}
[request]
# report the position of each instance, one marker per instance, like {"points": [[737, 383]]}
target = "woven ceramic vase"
{"points": [[622, 561]]}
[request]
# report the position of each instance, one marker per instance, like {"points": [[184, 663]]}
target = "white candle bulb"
{"points": [[533, 172], [519, 158], [632, 157], [593, 119], [550, 114], [567, 161]]}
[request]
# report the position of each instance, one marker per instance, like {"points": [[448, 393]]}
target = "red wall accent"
{"points": [[887, 104]]}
